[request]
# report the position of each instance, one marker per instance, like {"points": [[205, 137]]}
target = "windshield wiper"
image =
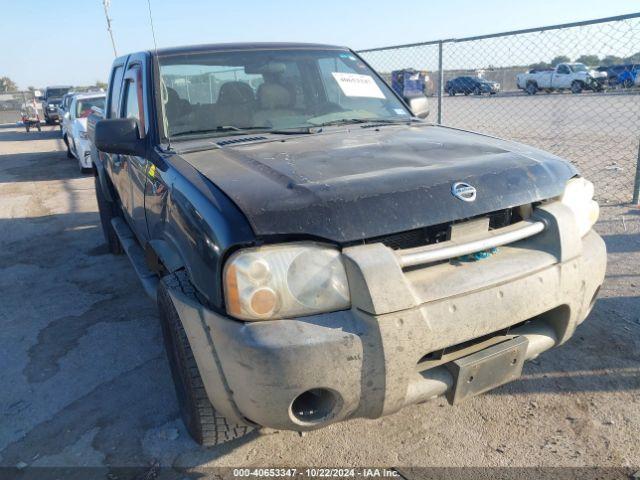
{"points": [[244, 130], [347, 121]]}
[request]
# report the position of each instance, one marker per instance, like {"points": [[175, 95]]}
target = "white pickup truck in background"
{"points": [[565, 76]]}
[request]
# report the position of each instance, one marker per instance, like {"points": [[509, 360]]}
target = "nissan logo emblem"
{"points": [[463, 191]]}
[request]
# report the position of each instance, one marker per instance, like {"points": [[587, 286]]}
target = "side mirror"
{"points": [[119, 135], [419, 106]]}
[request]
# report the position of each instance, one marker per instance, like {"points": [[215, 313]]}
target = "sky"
{"points": [[73, 45]]}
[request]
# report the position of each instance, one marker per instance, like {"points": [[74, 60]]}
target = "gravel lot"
{"points": [[84, 380]]}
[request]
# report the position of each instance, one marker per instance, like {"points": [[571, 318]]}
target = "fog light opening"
{"points": [[314, 406]]}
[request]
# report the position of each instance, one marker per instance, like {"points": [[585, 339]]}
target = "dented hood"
{"points": [[350, 184]]}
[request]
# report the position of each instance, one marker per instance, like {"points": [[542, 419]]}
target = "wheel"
{"points": [[628, 83], [477, 91], [69, 152], [85, 170], [107, 211], [27, 127], [532, 88], [65, 139], [451, 92], [39, 127], [466, 92], [205, 425], [576, 87]]}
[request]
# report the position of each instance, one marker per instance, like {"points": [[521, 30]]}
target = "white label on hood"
{"points": [[355, 85]]}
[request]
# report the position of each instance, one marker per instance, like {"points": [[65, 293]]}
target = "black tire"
{"points": [[204, 423], [69, 153], [628, 83], [576, 87], [84, 170], [107, 211], [532, 88], [27, 127], [39, 127], [451, 92], [477, 91]]}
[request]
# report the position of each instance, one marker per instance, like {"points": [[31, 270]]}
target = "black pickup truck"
{"points": [[317, 251]]}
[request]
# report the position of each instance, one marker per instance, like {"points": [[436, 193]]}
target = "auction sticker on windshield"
{"points": [[356, 85]]}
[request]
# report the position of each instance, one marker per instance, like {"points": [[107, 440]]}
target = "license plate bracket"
{"points": [[487, 369]]}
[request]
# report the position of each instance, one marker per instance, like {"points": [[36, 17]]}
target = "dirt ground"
{"points": [[84, 380]]}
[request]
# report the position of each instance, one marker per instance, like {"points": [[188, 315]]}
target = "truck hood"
{"points": [[359, 183]]}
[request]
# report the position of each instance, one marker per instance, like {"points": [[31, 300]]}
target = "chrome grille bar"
{"points": [[452, 249]]}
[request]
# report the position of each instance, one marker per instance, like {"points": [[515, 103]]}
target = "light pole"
{"points": [[106, 4]]}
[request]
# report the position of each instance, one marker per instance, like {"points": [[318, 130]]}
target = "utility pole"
{"points": [[106, 4]]}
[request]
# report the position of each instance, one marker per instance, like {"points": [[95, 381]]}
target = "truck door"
{"points": [[112, 161], [133, 107], [562, 76]]}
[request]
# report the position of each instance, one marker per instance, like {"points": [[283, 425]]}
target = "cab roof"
{"points": [[222, 47]]}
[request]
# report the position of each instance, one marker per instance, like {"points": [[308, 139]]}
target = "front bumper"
{"points": [[51, 114], [83, 152], [378, 357]]}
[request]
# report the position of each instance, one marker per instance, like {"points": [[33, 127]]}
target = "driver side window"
{"points": [[563, 69]]}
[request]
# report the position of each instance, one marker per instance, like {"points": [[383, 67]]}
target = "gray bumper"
{"points": [[372, 357]]}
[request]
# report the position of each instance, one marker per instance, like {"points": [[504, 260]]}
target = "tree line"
{"points": [[9, 86], [590, 60]]}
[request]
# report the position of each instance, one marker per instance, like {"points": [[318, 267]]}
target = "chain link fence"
{"points": [[484, 84]]}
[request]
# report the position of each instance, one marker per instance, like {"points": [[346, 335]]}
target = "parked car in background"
{"points": [[51, 98], [317, 252], [630, 76], [620, 75], [78, 145], [63, 114], [468, 85], [566, 76]]}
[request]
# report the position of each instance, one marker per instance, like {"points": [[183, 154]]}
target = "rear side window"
{"points": [[114, 92]]}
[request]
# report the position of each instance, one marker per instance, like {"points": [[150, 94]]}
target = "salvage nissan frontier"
{"points": [[320, 252]]}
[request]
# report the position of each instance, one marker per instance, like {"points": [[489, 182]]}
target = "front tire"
{"points": [[69, 152], [576, 87], [204, 423], [532, 88], [107, 210]]}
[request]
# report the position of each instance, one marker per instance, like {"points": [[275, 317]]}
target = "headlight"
{"points": [[578, 196], [283, 281]]}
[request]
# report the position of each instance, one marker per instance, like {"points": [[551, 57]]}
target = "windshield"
{"points": [[83, 107], [56, 92], [578, 67], [218, 92]]}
